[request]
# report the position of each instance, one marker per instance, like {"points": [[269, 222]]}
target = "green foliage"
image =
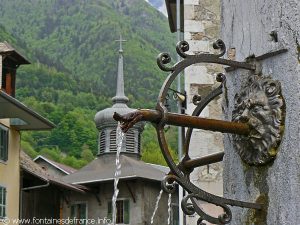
{"points": [[78, 38], [73, 162], [151, 150], [28, 149], [73, 74], [86, 153], [51, 153]]}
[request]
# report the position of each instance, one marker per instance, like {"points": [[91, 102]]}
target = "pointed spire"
{"points": [[120, 95]]}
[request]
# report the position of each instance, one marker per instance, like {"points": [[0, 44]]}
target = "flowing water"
{"points": [[156, 205], [169, 209], [119, 141]]}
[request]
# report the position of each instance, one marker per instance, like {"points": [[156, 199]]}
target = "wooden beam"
{"points": [[130, 191], [97, 197]]}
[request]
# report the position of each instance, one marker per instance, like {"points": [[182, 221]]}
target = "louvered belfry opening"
{"points": [[113, 143], [129, 142], [102, 142], [139, 143]]}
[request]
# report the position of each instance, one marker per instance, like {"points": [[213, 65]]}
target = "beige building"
{"points": [[201, 29], [14, 118], [200, 24]]}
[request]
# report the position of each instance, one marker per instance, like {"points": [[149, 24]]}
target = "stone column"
{"points": [[1, 68], [246, 26], [201, 28]]}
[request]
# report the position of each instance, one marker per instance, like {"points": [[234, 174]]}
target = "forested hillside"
{"points": [[72, 47]]}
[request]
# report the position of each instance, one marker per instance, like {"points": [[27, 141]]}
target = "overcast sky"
{"points": [[159, 4]]}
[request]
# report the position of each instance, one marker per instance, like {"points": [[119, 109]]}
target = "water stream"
{"points": [[169, 208], [119, 141], [156, 205]]}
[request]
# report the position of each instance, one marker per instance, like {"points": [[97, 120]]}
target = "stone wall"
{"points": [[145, 194], [201, 28], [246, 27], [50, 169]]}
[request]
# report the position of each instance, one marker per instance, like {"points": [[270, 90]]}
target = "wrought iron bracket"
{"points": [[160, 117]]}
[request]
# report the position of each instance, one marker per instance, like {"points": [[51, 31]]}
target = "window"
{"points": [[2, 202], [3, 143], [122, 207], [79, 212]]}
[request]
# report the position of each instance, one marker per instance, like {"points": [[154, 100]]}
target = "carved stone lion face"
{"points": [[261, 106]]}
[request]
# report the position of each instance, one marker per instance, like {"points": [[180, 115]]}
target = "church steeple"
{"points": [[107, 125], [120, 95]]}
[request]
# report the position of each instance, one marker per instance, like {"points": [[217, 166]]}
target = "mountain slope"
{"points": [[80, 35], [72, 47]]}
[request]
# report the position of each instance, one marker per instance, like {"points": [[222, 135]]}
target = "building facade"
{"points": [[9, 161], [201, 29], [200, 24], [42, 194], [14, 118]]}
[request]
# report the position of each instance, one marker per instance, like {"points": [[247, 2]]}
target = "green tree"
{"points": [[151, 151], [87, 154], [28, 149]]}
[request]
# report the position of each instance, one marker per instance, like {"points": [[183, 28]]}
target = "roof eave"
{"points": [[11, 51], [11, 108], [111, 179]]}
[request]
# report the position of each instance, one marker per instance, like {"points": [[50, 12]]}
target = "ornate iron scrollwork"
{"points": [[180, 173]]}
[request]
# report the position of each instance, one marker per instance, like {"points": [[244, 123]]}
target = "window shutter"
{"points": [[126, 212], [4, 196], [1, 143], [109, 210], [72, 211], [82, 211], [1, 195], [5, 145], [4, 211], [2, 202]]}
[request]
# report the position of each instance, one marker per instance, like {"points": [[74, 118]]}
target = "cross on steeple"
{"points": [[120, 97], [121, 40]]}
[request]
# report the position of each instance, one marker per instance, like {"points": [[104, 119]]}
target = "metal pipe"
{"points": [[202, 161], [36, 187], [154, 116], [207, 124]]}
